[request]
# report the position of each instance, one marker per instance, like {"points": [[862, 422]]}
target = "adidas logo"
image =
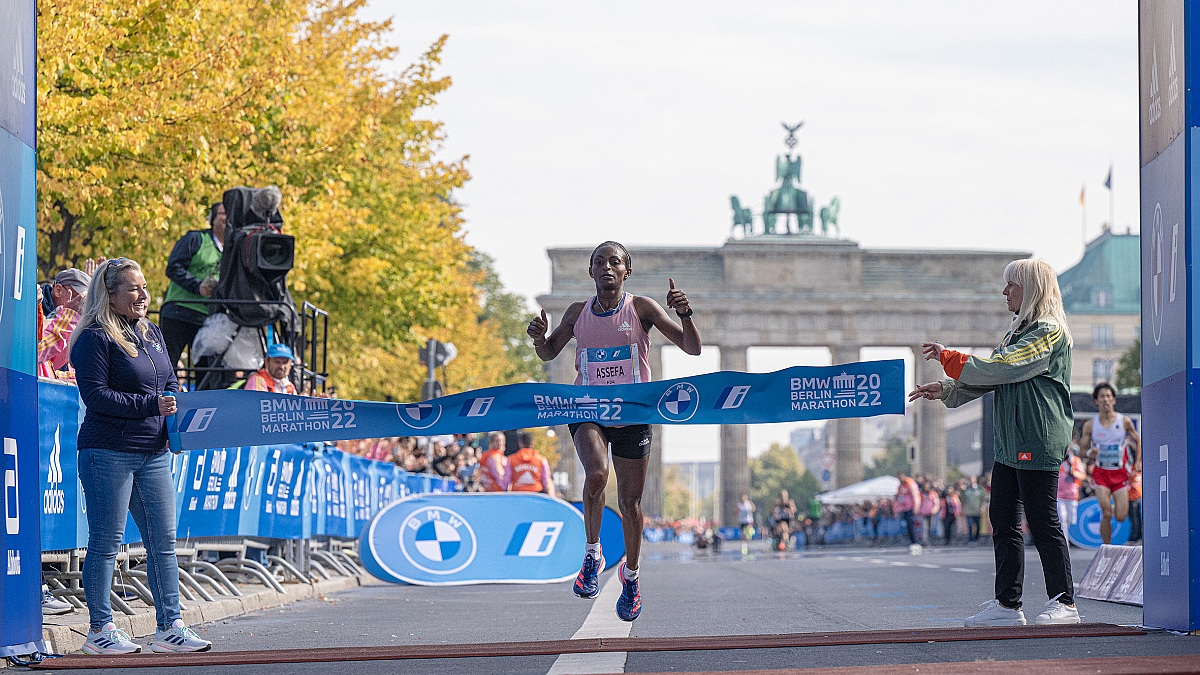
{"points": [[625, 326]]}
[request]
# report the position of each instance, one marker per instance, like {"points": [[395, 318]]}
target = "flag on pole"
{"points": [[1108, 181], [1081, 190]]}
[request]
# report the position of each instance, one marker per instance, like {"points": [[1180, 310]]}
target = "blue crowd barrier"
{"points": [[291, 491]]}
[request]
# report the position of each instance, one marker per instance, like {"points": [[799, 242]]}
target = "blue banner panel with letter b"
{"points": [[474, 538]]}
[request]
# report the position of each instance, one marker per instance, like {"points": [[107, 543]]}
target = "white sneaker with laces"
{"points": [[110, 640], [179, 638], [52, 605], [1057, 613], [995, 614]]}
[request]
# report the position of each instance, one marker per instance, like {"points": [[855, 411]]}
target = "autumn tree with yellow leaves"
{"points": [[149, 111]]}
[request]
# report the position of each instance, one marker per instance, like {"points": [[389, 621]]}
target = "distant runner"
{"points": [[612, 346], [1111, 443]]}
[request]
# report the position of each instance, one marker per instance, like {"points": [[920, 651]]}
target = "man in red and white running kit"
{"points": [[612, 346], [1110, 442]]}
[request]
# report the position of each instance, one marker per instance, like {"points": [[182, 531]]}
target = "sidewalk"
{"points": [[66, 633]]}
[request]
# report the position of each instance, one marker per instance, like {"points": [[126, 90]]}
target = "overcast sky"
{"points": [[939, 125]]}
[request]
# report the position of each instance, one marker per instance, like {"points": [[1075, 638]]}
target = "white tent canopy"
{"points": [[872, 488]]}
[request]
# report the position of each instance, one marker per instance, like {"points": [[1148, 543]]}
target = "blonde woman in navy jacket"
{"points": [[126, 380]]}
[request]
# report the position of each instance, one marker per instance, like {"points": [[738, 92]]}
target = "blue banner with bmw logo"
{"points": [[474, 538], [225, 418]]}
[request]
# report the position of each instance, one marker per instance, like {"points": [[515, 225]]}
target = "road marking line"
{"points": [[601, 622], [963, 569], [929, 566]]}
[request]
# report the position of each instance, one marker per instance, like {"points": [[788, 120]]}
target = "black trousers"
{"points": [[908, 524], [1037, 491], [178, 335]]}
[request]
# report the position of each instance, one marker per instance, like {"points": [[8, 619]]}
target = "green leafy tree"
{"points": [[779, 468], [1129, 368], [894, 458], [509, 314], [677, 498]]}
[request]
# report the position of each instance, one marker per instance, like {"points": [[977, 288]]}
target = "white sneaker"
{"points": [[110, 640], [995, 614], [914, 549], [1056, 612], [52, 605], [179, 638]]}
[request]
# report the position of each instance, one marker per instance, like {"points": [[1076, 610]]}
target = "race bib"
{"points": [[1109, 456], [610, 365]]}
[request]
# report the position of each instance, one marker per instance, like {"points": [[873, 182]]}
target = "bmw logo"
{"points": [[419, 415], [679, 402], [437, 540]]}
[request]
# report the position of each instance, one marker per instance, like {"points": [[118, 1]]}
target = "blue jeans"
{"points": [[116, 483]]}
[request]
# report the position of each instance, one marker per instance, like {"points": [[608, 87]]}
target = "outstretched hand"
{"points": [[677, 299], [537, 329], [933, 351], [931, 391]]}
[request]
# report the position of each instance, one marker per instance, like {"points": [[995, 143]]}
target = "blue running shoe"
{"points": [[587, 584], [629, 605]]}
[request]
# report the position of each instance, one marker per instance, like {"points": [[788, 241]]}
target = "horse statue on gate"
{"points": [[829, 217], [741, 217]]}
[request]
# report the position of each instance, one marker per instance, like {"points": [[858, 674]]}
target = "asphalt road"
{"points": [[690, 593]]}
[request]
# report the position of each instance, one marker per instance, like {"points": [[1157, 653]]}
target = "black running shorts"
{"points": [[631, 442]]}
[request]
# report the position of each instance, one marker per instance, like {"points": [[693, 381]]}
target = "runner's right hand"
{"points": [[537, 328]]}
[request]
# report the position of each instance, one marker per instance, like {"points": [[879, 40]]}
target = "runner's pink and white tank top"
{"points": [[1109, 442], [611, 348]]}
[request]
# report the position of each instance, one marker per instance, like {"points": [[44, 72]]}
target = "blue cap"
{"points": [[279, 351]]}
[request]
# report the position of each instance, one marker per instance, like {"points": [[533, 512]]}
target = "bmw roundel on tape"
{"points": [[799, 393], [474, 538]]}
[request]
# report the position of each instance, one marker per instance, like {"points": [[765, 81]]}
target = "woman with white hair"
{"points": [[126, 380], [1030, 374]]}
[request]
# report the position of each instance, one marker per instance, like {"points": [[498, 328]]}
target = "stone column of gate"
{"points": [[652, 495], [847, 433], [734, 468], [931, 421]]}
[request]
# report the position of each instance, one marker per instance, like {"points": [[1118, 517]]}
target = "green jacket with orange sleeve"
{"points": [[1030, 373]]}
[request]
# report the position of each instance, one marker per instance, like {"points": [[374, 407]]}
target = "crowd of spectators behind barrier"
{"points": [[953, 513], [455, 457]]}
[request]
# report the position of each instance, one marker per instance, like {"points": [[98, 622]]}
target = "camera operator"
{"points": [[193, 267]]}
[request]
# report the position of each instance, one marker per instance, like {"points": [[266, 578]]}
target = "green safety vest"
{"points": [[206, 263]]}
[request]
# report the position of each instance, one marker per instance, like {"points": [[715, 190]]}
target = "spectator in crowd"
{"points": [[929, 508], [746, 510], [815, 511], [495, 471], [951, 510], [275, 374], [193, 268], [1135, 507], [529, 469], [1071, 473], [125, 382], [972, 507], [68, 293], [908, 498], [1029, 372]]}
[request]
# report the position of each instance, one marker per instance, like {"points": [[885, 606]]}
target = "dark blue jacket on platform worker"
{"points": [[121, 392]]}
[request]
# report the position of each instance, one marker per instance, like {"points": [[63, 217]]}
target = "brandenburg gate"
{"points": [[789, 286]]}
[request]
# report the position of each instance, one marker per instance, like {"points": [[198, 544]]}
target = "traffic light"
{"points": [[443, 353]]}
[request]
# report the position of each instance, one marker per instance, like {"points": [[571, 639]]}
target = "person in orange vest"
{"points": [[530, 471], [495, 472], [274, 375]]}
